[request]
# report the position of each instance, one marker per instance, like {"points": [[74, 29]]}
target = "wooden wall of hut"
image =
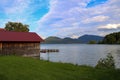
{"points": [[25, 49]]}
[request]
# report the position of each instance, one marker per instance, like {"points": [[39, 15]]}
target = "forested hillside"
{"points": [[113, 38]]}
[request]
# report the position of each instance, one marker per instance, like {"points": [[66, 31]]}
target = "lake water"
{"points": [[81, 54]]}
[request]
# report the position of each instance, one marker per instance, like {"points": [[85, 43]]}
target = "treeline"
{"points": [[113, 38]]}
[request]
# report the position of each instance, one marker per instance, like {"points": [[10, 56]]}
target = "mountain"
{"points": [[70, 40], [53, 39], [67, 40], [87, 38]]}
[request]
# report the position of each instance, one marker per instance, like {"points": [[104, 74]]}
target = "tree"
{"points": [[113, 38], [105, 63], [92, 42], [17, 26]]}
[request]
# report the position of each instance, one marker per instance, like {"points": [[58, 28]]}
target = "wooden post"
{"points": [[0, 46], [48, 55]]}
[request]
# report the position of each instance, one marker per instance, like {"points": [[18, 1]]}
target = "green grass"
{"points": [[21, 68]]}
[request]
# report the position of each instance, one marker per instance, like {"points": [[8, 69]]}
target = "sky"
{"points": [[63, 18]]}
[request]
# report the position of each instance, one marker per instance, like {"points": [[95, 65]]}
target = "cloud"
{"points": [[62, 18], [25, 11], [99, 18], [14, 10], [109, 27], [74, 36], [76, 19], [18, 6]]}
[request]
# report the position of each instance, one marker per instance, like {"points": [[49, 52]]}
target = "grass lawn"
{"points": [[21, 68]]}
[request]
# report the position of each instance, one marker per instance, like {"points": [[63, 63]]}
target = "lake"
{"points": [[81, 54]]}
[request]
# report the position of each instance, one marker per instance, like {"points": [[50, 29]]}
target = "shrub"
{"points": [[106, 63]]}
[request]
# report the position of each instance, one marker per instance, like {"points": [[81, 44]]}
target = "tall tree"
{"points": [[113, 38], [17, 26]]}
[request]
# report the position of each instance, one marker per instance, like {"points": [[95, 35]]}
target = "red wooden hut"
{"points": [[19, 43]]}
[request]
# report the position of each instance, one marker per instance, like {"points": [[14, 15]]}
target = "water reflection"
{"points": [[81, 54]]}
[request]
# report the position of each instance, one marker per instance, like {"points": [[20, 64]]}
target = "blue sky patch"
{"points": [[93, 3]]}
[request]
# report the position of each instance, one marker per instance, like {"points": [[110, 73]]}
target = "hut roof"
{"points": [[12, 36]]}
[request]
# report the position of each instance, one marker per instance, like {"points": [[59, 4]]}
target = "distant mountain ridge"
{"points": [[67, 40], [87, 38]]}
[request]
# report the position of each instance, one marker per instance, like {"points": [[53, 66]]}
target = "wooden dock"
{"points": [[49, 50]]}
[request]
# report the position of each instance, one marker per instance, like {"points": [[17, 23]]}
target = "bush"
{"points": [[106, 63], [92, 42]]}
